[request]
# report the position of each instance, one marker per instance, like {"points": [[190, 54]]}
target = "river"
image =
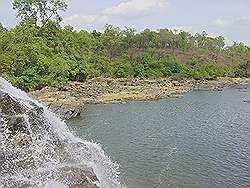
{"points": [[198, 141]]}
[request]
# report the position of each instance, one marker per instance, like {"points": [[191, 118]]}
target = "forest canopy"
{"points": [[38, 52]]}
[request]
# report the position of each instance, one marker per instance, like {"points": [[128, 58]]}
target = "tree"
{"points": [[184, 38], [166, 38], [40, 10], [243, 69], [128, 37], [220, 42], [1, 26], [237, 50], [147, 39], [112, 41]]}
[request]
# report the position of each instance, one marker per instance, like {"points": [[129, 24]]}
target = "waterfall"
{"points": [[38, 150]]}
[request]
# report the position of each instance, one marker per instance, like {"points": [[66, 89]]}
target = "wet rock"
{"points": [[76, 177], [37, 110], [11, 113], [244, 90], [247, 101], [9, 106], [67, 112], [20, 127], [218, 89], [16, 124], [63, 103]]}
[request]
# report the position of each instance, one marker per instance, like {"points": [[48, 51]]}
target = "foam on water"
{"points": [[80, 152]]}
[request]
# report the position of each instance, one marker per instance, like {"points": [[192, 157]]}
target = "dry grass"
{"points": [[121, 96]]}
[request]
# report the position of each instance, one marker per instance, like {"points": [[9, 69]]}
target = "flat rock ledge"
{"points": [[69, 101], [60, 102]]}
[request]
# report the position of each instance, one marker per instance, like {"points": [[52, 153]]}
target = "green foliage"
{"points": [[243, 69], [172, 68], [208, 71], [32, 57], [122, 70], [98, 66]]}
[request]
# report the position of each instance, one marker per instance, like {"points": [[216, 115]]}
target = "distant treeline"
{"points": [[32, 57], [38, 52]]}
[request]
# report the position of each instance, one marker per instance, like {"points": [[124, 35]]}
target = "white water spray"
{"points": [[51, 150]]}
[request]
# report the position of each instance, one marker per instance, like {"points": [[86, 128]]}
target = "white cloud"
{"points": [[88, 19], [182, 28], [234, 29], [135, 8], [240, 21], [127, 10], [88, 22], [220, 22]]}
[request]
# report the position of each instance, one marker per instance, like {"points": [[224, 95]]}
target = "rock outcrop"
{"points": [[28, 143], [69, 101], [61, 102]]}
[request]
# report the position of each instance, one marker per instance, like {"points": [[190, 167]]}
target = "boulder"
{"points": [[66, 112], [9, 106], [77, 177]]}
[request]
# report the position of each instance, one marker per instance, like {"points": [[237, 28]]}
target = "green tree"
{"points": [[237, 51], [40, 10], [112, 41], [167, 38], [1, 26], [147, 39], [184, 40], [243, 69]]}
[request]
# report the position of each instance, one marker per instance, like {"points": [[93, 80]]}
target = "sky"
{"points": [[229, 18]]}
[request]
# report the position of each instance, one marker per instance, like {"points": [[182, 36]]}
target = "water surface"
{"points": [[199, 141]]}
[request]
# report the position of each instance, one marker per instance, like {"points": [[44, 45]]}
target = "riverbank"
{"points": [[68, 101]]}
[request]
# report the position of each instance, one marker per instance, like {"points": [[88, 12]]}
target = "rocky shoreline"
{"points": [[69, 101]]}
